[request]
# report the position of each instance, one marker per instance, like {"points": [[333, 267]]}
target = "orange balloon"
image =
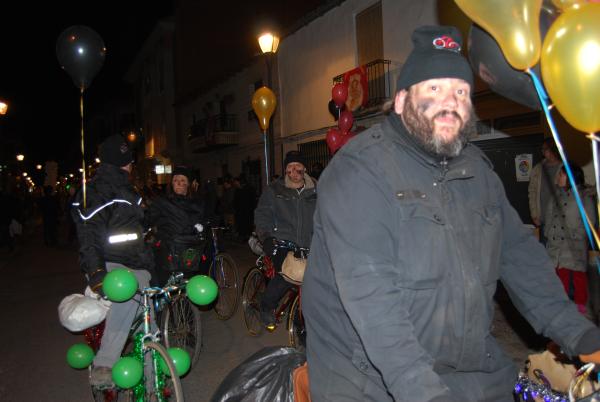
{"points": [[263, 103], [571, 66], [513, 23]]}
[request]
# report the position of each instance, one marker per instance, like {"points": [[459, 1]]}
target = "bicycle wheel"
{"points": [[296, 328], [181, 326], [224, 271], [172, 391], [254, 287]]}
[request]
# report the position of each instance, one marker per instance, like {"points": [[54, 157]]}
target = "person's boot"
{"points": [[268, 319], [101, 377]]}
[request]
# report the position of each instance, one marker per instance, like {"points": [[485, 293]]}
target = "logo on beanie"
{"points": [[446, 43], [124, 148]]}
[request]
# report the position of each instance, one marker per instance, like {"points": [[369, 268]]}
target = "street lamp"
{"points": [[20, 157], [3, 108], [269, 43]]}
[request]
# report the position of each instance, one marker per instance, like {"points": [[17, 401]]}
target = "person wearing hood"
{"points": [[110, 224], [177, 217], [284, 212]]}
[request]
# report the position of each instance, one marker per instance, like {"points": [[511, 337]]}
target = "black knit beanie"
{"points": [[294, 156], [115, 151], [183, 171], [435, 54]]}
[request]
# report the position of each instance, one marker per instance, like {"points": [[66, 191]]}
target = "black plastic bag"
{"points": [[265, 376]]}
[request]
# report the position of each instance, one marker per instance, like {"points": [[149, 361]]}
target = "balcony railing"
{"points": [[214, 132], [379, 84]]}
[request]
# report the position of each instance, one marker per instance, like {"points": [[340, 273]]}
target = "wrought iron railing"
{"points": [[379, 82], [214, 124]]}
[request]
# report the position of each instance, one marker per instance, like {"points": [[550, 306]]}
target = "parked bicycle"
{"points": [[223, 270], [289, 307]]}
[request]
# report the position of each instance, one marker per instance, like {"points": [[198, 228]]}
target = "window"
{"points": [[369, 34]]}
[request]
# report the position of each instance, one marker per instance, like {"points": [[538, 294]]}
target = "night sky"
{"points": [[43, 101]]}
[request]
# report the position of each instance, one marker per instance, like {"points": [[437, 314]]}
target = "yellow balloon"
{"points": [[565, 4], [513, 23], [263, 103], [571, 66]]}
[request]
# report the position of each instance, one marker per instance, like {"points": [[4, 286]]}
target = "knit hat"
{"points": [[294, 156], [115, 151], [183, 171], [435, 54]]}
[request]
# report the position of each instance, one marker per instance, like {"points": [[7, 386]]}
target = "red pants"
{"points": [[575, 284]]}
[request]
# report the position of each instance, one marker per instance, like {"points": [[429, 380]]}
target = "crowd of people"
{"points": [[409, 231]]}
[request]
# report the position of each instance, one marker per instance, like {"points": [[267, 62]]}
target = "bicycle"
{"points": [[223, 270], [180, 320], [289, 307], [144, 346]]}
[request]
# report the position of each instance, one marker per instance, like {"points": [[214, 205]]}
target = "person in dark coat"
{"points": [[284, 212], [244, 202], [50, 209], [110, 228], [412, 232], [177, 217]]}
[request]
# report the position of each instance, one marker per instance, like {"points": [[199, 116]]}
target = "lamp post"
{"points": [[269, 43], [3, 108]]}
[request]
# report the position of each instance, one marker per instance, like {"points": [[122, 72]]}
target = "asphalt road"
{"points": [[33, 344]]}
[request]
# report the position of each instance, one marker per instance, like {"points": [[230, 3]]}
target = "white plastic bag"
{"points": [[77, 312]]}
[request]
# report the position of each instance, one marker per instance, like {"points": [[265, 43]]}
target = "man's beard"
{"points": [[422, 129]]}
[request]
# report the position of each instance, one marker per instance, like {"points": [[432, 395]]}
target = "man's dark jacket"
{"points": [[285, 213], [398, 291], [112, 208]]}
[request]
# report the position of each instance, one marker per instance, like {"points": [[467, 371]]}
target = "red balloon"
{"points": [[334, 140], [347, 138], [346, 121], [339, 94]]}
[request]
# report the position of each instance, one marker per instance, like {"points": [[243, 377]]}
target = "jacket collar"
{"points": [[308, 182], [459, 167], [113, 174]]}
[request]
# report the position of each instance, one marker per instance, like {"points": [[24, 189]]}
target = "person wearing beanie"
{"points": [[412, 231], [177, 219], [109, 221], [284, 212]]}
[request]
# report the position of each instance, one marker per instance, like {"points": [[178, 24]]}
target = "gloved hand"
{"points": [[95, 281], [269, 246]]}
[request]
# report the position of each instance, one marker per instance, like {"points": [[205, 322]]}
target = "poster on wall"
{"points": [[358, 88], [523, 166]]}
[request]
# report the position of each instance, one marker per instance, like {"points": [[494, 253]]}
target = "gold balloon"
{"points": [[571, 66], [565, 4], [513, 23], [263, 103]]}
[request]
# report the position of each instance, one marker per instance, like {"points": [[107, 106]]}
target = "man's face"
{"points": [[180, 184], [439, 113], [295, 172]]}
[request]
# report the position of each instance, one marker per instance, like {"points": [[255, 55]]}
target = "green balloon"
{"points": [[202, 290], [80, 355], [181, 360], [119, 285], [127, 372]]}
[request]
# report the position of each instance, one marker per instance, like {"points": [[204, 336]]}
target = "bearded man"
{"points": [[411, 233]]}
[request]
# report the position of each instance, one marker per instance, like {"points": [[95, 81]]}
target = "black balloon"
{"points": [[489, 63], [334, 110], [80, 52]]}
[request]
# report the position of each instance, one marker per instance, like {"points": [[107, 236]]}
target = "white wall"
{"points": [[310, 58]]}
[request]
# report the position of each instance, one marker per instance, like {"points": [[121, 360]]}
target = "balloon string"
{"points": [[266, 157], [545, 101], [82, 148]]}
